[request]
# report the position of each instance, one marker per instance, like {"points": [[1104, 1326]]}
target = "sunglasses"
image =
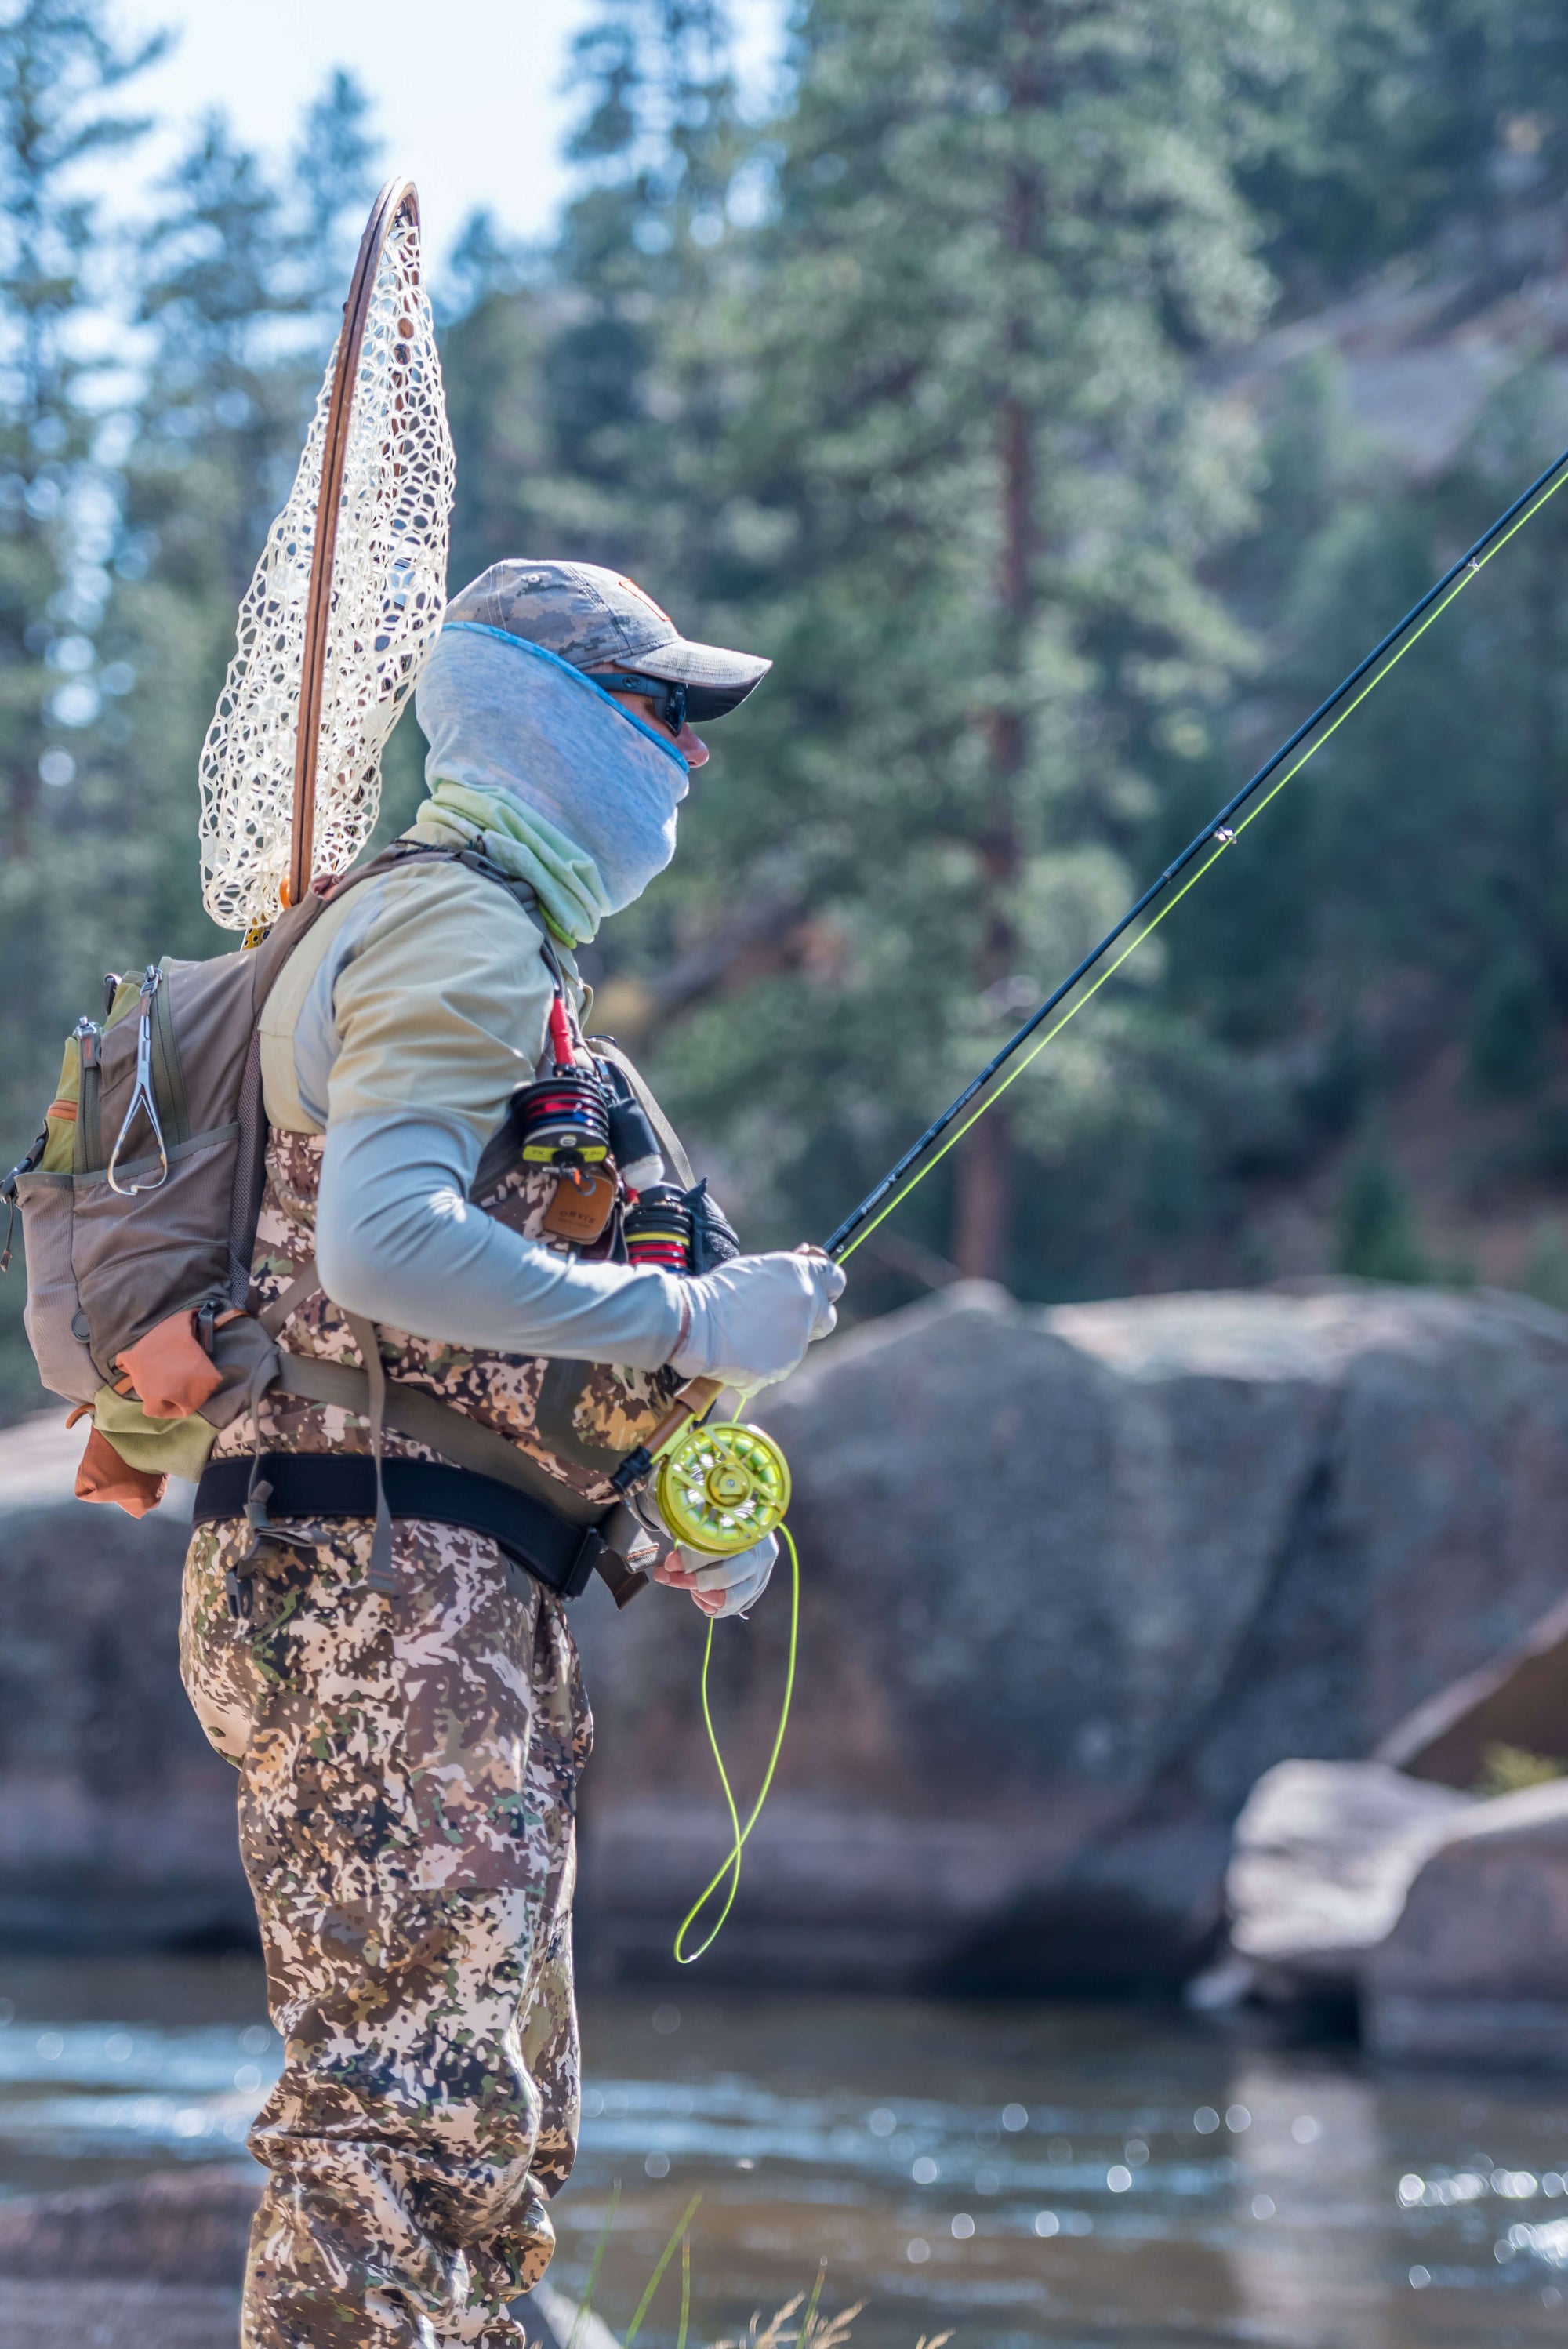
{"points": [[669, 700]]}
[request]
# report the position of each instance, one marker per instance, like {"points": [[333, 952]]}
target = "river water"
{"points": [[1022, 2175]]}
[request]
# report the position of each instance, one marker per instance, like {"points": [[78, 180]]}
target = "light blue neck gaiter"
{"points": [[548, 773]]}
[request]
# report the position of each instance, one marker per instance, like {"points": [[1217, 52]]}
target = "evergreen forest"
{"points": [[1065, 393]]}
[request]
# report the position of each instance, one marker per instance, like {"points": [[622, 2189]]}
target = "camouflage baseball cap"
{"points": [[596, 619]]}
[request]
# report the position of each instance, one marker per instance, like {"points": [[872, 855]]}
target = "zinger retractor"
{"points": [[722, 1487]]}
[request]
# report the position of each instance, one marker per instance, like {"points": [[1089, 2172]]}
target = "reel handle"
{"points": [[696, 1397], [693, 1400]]}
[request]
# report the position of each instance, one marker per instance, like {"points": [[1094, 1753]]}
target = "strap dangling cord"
{"points": [[381, 1574], [731, 1867]]}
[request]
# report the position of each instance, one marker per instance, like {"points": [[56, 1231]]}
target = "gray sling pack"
{"points": [[157, 1215], [157, 1212]]}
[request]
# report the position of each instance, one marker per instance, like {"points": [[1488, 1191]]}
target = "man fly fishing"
{"points": [[484, 1289], [357, 1227], [409, 1770]]}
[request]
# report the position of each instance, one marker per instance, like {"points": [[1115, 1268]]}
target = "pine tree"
{"points": [[62, 73], [980, 479], [1401, 121], [58, 69]]}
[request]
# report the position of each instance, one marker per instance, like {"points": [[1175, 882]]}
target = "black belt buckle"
{"points": [[584, 1559], [595, 1556]]}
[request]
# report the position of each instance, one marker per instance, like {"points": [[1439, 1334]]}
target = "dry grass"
{"points": [[812, 2332], [796, 2326]]}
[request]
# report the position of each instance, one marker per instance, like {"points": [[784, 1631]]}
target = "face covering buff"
{"points": [[540, 767]]}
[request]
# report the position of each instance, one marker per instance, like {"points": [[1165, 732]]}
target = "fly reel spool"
{"points": [[721, 1486]]}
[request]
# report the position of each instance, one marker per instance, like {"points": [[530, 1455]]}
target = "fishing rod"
{"points": [[755, 1495], [722, 1483], [1218, 834]]}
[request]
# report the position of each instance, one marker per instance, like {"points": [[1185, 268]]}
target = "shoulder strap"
{"points": [[289, 930], [669, 1140], [266, 961], [415, 851]]}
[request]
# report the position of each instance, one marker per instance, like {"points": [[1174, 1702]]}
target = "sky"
{"points": [[469, 98]]}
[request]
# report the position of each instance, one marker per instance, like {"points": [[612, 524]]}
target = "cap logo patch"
{"points": [[643, 595]]}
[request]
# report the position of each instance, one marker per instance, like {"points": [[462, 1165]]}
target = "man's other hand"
{"points": [[721, 1586]]}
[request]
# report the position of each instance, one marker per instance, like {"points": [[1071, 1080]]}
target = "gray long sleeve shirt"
{"points": [[400, 1028]]}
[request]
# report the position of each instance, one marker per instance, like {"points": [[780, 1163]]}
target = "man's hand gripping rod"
{"points": [[695, 1400]]}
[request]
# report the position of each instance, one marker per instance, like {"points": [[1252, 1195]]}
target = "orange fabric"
{"points": [[104, 1476], [171, 1373]]}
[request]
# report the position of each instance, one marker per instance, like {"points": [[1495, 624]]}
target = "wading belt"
{"points": [[310, 1486], [482, 1482]]}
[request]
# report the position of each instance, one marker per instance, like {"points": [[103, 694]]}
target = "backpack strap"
{"points": [[669, 1140], [381, 1574], [269, 957], [622, 1548]]}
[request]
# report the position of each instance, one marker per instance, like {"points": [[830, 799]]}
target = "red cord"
{"points": [[561, 1042]]}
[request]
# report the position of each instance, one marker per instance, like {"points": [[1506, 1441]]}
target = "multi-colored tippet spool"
{"points": [[721, 1486], [657, 1228], [563, 1120]]}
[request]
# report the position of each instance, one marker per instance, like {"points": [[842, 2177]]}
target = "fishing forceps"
{"points": [[141, 1094]]}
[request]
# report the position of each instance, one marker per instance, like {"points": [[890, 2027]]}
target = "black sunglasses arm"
{"points": [[671, 698]]}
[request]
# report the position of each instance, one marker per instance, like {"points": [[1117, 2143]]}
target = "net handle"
{"points": [[397, 197]]}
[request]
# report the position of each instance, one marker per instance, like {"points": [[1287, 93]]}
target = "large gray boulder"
{"points": [[1476, 1964], [1322, 1856], [1074, 1579], [117, 1819]]}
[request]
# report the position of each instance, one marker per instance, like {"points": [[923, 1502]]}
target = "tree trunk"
{"points": [[982, 1229], [983, 1206]]}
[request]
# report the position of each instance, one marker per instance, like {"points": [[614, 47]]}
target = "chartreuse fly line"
{"points": [[730, 1869], [1201, 855]]}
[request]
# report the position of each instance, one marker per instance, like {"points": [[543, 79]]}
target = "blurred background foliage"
{"points": [[996, 385]]}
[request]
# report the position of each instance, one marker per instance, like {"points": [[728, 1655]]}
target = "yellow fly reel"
{"points": [[721, 1488]]}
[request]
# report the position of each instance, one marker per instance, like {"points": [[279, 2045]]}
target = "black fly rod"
{"points": [[1208, 845]]}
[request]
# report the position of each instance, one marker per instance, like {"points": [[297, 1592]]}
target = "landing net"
{"points": [[387, 594]]}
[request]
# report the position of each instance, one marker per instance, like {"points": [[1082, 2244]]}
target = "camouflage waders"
{"points": [[408, 1780]]}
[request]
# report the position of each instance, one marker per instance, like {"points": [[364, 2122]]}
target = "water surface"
{"points": [[1024, 2175]]}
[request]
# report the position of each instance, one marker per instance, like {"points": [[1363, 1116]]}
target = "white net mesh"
{"points": [[388, 592]]}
